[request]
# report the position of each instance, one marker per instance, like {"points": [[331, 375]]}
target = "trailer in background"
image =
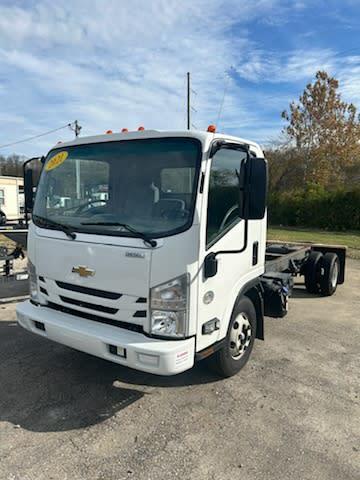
{"points": [[11, 198]]}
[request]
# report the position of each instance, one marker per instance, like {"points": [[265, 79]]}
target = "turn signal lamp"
{"points": [[108, 132], [124, 130], [211, 128], [140, 129]]}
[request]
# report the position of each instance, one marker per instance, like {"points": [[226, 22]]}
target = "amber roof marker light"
{"points": [[141, 129], [124, 130], [109, 132], [211, 128]]}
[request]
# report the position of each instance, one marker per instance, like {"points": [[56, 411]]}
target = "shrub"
{"points": [[316, 207]]}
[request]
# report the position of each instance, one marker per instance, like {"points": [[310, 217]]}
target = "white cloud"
{"points": [[117, 64], [113, 64], [281, 67]]}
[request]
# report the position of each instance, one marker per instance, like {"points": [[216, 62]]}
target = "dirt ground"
{"points": [[292, 413]]}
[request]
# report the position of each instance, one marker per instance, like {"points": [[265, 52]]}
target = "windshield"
{"points": [[148, 185]]}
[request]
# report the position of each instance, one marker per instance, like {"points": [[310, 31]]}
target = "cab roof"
{"points": [[205, 137]]}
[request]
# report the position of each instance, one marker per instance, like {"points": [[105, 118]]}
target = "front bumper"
{"points": [[162, 357]]}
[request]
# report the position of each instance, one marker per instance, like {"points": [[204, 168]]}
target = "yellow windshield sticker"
{"points": [[56, 161]]}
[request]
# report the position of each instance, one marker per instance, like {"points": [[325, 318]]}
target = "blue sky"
{"points": [[113, 64]]}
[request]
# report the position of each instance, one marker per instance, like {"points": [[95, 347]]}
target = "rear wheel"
{"points": [[329, 273], [312, 272], [239, 340]]}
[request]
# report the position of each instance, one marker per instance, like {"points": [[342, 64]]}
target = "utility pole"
{"points": [[77, 128], [188, 101]]}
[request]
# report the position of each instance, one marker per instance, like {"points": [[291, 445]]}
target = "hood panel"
{"points": [[120, 269]]}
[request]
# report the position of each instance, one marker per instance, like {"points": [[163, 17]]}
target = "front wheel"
{"points": [[239, 342]]}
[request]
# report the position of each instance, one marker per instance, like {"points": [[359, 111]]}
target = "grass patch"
{"points": [[351, 239]]}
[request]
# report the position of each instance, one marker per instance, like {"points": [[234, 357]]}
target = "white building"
{"points": [[12, 196]]}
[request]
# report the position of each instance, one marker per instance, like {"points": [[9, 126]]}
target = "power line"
{"points": [[68, 125]]}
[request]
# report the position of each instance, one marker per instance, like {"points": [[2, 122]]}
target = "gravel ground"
{"points": [[292, 413]]}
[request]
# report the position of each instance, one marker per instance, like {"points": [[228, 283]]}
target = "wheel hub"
{"points": [[240, 336]]}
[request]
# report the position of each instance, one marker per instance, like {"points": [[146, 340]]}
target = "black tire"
{"points": [[312, 272], [224, 361], [329, 273]]}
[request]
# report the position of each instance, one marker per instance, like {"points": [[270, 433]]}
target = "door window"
{"points": [[223, 200]]}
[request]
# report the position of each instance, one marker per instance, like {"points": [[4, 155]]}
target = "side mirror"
{"points": [[28, 189], [29, 186], [256, 189]]}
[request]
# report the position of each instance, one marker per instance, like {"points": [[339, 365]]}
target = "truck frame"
{"points": [[172, 266]]}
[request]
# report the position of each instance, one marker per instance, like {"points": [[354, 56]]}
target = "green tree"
{"points": [[325, 131]]}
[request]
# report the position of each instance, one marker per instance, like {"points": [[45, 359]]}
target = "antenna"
{"points": [[226, 86]]}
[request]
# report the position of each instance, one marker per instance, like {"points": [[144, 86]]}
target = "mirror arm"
{"points": [[210, 262], [243, 248]]}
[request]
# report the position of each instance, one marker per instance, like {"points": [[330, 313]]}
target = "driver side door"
{"points": [[222, 229]]}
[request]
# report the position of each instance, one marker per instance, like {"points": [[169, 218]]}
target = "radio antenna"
{"points": [[226, 87]]}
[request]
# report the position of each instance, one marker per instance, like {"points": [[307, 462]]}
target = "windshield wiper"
{"points": [[46, 222], [146, 238]]}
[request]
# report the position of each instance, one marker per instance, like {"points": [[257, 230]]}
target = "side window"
{"points": [[223, 199], [2, 197]]}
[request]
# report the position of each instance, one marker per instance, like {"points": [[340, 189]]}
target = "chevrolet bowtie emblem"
{"points": [[83, 271]]}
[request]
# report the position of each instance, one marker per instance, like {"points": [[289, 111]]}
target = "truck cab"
{"points": [[153, 261]]}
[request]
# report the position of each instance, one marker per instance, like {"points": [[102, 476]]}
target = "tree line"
{"points": [[11, 165], [315, 169]]}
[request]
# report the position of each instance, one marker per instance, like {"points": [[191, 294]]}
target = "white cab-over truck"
{"points": [[158, 258]]}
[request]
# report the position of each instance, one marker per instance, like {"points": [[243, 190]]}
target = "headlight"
{"points": [[169, 308], [34, 294]]}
